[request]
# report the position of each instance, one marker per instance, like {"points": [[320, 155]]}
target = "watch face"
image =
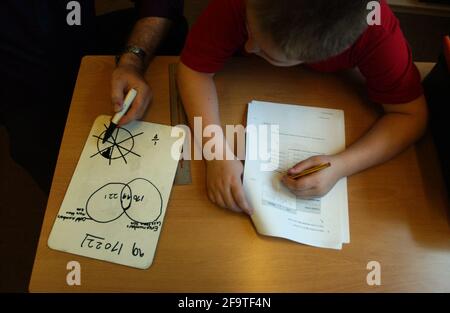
{"points": [[135, 50]]}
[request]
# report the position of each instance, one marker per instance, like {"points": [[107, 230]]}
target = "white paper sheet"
{"points": [[114, 207], [302, 132]]}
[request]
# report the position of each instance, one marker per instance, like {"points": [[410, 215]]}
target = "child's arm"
{"points": [[397, 129], [224, 184]]}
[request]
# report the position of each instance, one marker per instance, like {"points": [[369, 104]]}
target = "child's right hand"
{"points": [[224, 185]]}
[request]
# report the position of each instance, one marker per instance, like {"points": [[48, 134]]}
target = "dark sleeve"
{"points": [[171, 9]]}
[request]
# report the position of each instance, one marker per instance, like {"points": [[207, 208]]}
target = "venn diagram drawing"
{"points": [[140, 200]]}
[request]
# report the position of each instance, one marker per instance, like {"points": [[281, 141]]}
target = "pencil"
{"points": [[310, 171]]}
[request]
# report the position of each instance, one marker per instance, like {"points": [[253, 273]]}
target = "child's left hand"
{"points": [[317, 184]]}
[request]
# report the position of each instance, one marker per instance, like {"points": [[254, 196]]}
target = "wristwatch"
{"points": [[137, 51]]}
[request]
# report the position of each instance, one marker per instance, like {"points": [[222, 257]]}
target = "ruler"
{"points": [[178, 117]]}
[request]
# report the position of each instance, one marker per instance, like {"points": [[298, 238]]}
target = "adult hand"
{"points": [[124, 78]]}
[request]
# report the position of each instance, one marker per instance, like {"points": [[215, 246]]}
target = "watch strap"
{"points": [[137, 51]]}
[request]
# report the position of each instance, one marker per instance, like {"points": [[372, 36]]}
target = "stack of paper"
{"points": [[284, 136]]}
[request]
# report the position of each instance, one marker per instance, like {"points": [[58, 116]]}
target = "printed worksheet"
{"points": [[114, 207], [285, 135]]}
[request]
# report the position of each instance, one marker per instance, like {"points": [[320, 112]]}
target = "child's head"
{"points": [[289, 32]]}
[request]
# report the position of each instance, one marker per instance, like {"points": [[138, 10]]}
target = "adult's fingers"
{"points": [[138, 106], [118, 90]]}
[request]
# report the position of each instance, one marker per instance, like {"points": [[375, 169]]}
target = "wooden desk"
{"points": [[398, 211]]}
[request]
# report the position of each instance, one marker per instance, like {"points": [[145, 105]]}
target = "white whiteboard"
{"points": [[115, 204]]}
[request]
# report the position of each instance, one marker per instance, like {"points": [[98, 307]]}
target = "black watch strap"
{"points": [[137, 51]]}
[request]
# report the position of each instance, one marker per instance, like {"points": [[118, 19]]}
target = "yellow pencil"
{"points": [[310, 171]]}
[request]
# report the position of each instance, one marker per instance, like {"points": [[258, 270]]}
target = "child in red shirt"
{"points": [[326, 35]]}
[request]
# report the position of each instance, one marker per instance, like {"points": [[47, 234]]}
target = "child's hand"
{"points": [[317, 184], [224, 184]]}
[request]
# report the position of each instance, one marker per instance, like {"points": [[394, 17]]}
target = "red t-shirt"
{"points": [[381, 53]]}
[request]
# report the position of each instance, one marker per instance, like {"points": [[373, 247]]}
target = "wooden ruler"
{"points": [[178, 117]]}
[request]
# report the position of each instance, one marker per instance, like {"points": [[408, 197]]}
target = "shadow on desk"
{"points": [[425, 206], [433, 181], [22, 207]]}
